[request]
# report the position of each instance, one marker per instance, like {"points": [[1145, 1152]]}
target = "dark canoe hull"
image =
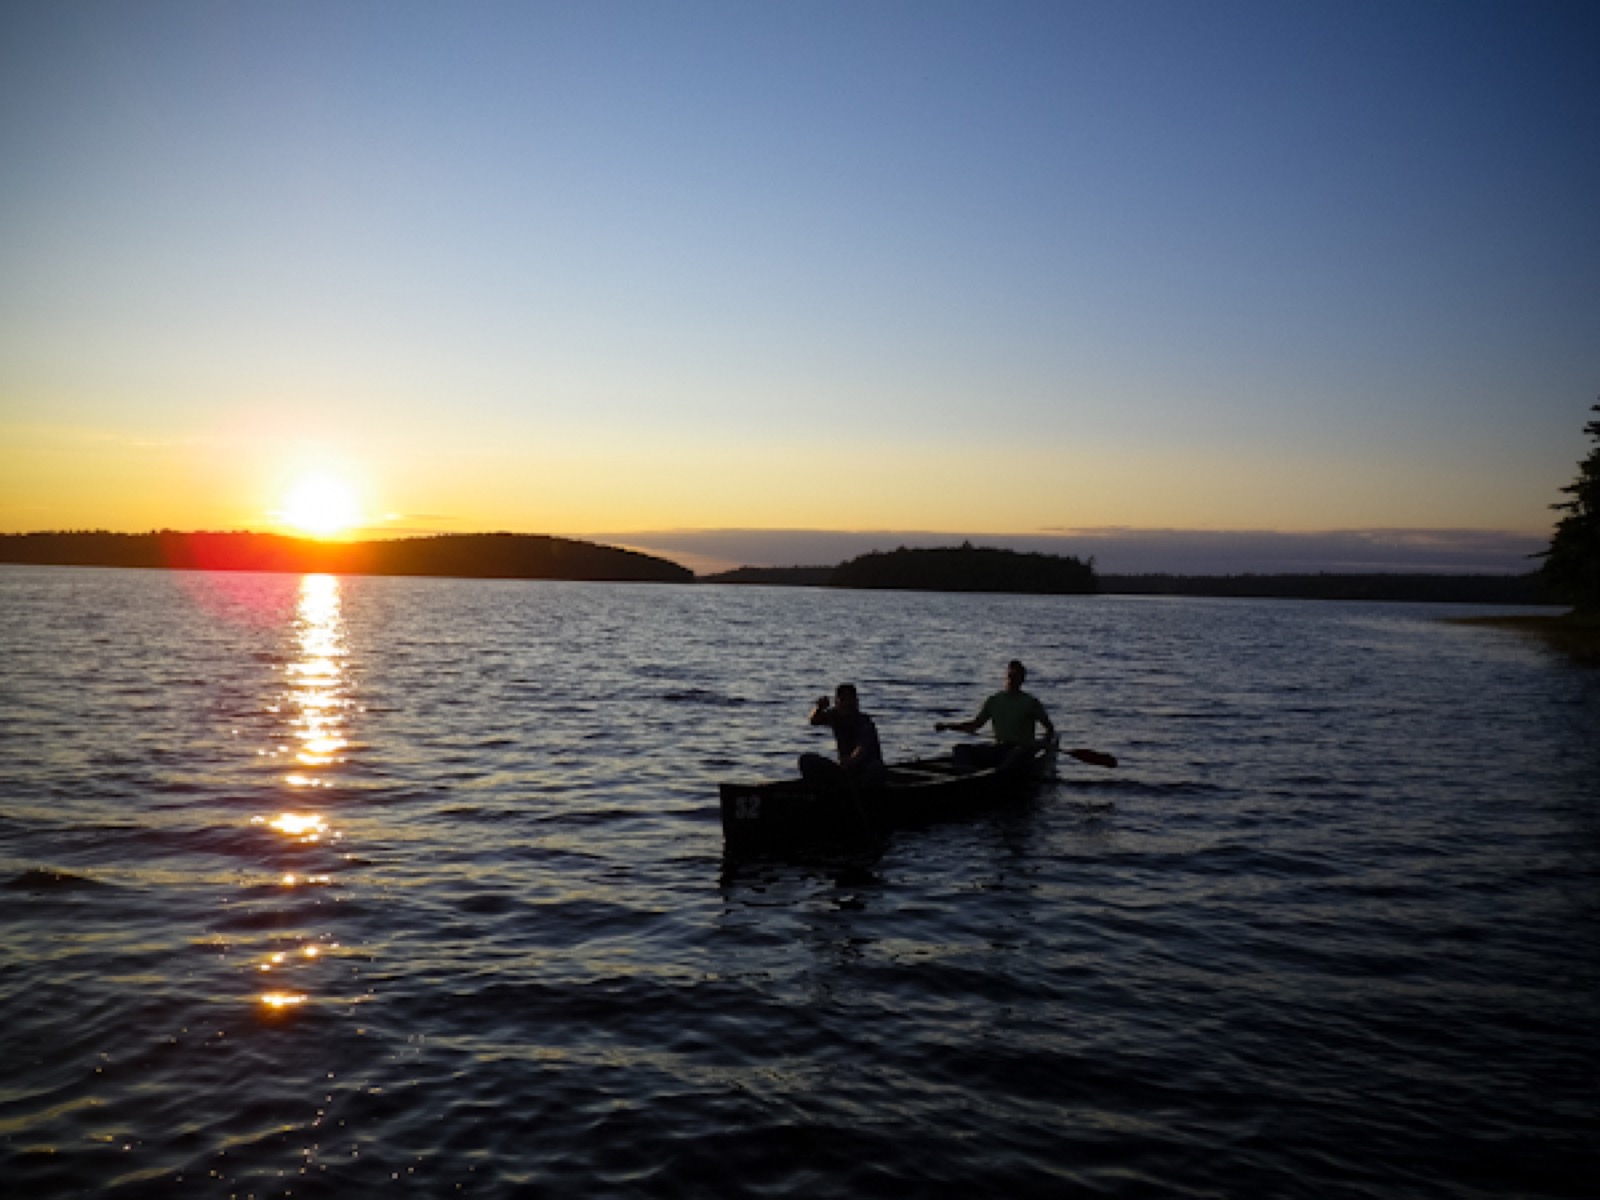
{"points": [[789, 813]]}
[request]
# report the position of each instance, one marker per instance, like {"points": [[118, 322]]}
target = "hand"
{"points": [[823, 702]]}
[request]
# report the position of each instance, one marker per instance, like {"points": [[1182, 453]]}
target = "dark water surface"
{"points": [[322, 887]]}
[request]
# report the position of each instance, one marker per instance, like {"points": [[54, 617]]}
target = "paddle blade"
{"points": [[1093, 757]]}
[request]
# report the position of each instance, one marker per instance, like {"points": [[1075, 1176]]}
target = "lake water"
{"points": [[320, 887]]}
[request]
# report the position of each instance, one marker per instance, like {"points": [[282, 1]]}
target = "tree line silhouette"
{"points": [[1572, 563], [954, 569], [933, 569], [967, 568], [470, 556]]}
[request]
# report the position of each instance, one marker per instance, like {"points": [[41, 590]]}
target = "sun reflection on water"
{"points": [[290, 879], [304, 827], [318, 691], [309, 716]]}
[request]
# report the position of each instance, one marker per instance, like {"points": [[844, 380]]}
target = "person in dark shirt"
{"points": [[860, 757]]}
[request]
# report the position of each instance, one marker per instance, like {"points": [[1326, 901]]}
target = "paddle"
{"points": [[1093, 757]]}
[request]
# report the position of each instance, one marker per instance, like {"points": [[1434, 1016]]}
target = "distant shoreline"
{"points": [[537, 556], [1522, 590], [1577, 636], [449, 556], [1526, 589]]}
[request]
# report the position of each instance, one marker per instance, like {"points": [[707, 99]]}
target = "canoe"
{"points": [[790, 813]]}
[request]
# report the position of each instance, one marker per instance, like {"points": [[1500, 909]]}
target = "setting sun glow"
{"points": [[320, 504]]}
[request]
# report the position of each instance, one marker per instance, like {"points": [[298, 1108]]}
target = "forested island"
{"points": [[1529, 588], [965, 568], [468, 556]]}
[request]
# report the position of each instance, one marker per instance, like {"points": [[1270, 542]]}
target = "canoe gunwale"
{"points": [[789, 813]]}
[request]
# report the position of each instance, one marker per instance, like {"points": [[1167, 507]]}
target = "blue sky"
{"points": [[992, 270]]}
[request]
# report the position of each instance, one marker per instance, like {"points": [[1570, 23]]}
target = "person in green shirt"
{"points": [[1013, 711]]}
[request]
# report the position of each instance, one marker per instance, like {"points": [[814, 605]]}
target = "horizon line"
{"points": [[1113, 550]]}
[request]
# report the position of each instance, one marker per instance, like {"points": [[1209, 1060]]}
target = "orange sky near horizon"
{"points": [[125, 483]]}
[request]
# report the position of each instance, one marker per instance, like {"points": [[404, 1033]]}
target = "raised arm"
{"points": [[971, 726], [822, 712]]}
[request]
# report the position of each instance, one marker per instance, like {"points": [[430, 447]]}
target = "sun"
{"points": [[321, 504]]}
